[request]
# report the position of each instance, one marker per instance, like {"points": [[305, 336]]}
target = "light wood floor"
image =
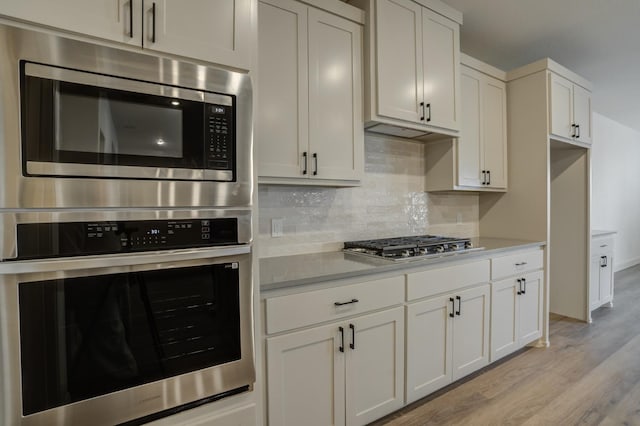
{"points": [[590, 375]]}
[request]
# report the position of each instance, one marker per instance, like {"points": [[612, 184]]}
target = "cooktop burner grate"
{"points": [[418, 246]]}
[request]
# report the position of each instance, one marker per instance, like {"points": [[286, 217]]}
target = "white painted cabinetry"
{"points": [[570, 110], [348, 372], [477, 160], [412, 61], [217, 31], [601, 270], [309, 124], [516, 301], [448, 334]]}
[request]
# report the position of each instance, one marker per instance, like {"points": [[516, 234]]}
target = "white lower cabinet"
{"points": [[345, 373], [601, 270], [516, 313], [447, 338]]}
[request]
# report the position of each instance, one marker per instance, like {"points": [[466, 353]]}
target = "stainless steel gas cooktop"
{"points": [[411, 247]]}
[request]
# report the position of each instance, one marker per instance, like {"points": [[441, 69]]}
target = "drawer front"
{"points": [[506, 266], [602, 245], [435, 281], [312, 307]]}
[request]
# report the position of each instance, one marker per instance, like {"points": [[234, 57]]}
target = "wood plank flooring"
{"points": [[589, 375]]}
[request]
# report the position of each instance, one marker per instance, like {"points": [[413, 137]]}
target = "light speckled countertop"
{"points": [[289, 271]]}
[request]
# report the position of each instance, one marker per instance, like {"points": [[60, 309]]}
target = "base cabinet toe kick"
{"points": [[362, 348]]}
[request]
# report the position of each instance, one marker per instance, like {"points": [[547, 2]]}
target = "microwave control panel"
{"points": [[219, 137], [43, 240]]}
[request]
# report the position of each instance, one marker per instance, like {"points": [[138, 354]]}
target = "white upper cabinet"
{"points": [[217, 31], [477, 160], [212, 30], [309, 125], [412, 80], [570, 110]]}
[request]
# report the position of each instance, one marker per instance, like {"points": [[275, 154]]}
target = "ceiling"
{"points": [[597, 39]]}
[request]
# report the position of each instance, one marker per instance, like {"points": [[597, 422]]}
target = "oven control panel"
{"points": [[42, 240]]}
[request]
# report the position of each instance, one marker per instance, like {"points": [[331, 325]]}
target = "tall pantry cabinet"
{"points": [[549, 187]]}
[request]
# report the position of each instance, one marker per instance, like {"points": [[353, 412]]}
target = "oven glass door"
{"points": [[81, 120], [88, 336]]}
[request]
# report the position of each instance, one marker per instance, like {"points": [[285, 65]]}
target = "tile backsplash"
{"points": [[391, 201]]}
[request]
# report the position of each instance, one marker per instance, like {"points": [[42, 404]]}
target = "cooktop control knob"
{"points": [[440, 249], [468, 244], [406, 253]]}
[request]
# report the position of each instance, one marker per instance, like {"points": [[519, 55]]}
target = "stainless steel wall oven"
{"points": [[123, 317], [126, 190]]}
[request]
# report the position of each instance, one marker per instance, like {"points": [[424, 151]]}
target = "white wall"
{"points": [[615, 201], [390, 202]]}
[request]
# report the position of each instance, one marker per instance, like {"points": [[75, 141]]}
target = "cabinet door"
{"points": [[471, 331], [494, 132], [429, 346], [281, 112], [582, 113], [606, 279], [375, 366], [336, 127], [107, 19], [561, 110], [399, 59], [211, 30], [504, 317], [594, 282], [469, 145], [530, 308], [305, 378], [441, 66]]}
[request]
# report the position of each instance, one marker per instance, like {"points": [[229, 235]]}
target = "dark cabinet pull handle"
{"points": [[519, 286], [573, 130], [341, 347], [603, 261], [488, 177], [315, 158], [578, 130], [153, 23], [524, 283], [521, 263], [422, 107], [305, 157], [429, 111], [484, 177], [346, 303], [352, 345], [459, 311], [453, 307], [130, 18]]}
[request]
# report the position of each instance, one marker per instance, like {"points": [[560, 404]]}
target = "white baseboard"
{"points": [[619, 266]]}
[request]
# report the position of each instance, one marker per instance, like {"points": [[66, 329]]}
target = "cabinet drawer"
{"points": [[303, 309], [435, 281], [516, 264], [602, 245]]}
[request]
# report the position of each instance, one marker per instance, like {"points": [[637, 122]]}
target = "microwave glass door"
{"points": [[87, 336]]}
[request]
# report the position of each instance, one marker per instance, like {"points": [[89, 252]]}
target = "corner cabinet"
{"points": [[601, 269], [447, 335], [517, 292], [309, 124], [570, 110], [412, 66], [477, 160], [217, 31], [346, 372]]}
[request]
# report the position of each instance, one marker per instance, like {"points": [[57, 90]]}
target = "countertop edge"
{"points": [[309, 283]]}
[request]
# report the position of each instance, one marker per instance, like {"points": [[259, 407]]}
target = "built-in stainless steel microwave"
{"points": [[84, 125]]}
